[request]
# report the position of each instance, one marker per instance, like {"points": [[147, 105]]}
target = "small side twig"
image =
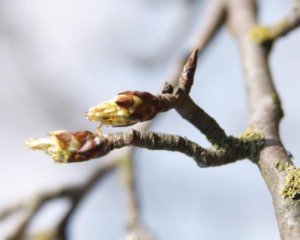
{"points": [[268, 34]]}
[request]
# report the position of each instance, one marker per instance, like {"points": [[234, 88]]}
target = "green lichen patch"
{"points": [[252, 140], [252, 134], [261, 34], [247, 145], [291, 189], [282, 166]]}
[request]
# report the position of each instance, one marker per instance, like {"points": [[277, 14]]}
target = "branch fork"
{"points": [[131, 107]]}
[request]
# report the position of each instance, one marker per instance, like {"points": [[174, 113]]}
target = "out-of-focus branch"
{"points": [[265, 115], [33, 206], [72, 193], [128, 180], [103, 171], [134, 224], [212, 20], [10, 210], [266, 34]]}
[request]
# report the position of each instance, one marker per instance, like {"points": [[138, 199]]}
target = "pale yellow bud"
{"points": [[61, 145], [57, 145], [126, 109]]}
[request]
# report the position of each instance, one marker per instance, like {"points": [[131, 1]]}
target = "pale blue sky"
{"points": [[58, 58]]}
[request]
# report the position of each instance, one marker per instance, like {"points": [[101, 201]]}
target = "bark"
{"points": [[265, 114]]}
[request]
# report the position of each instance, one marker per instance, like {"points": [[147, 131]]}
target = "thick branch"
{"points": [[265, 115]]}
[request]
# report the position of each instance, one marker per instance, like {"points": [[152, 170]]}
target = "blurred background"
{"points": [[58, 58]]}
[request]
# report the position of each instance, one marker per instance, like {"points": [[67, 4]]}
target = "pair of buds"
{"points": [[126, 109]]}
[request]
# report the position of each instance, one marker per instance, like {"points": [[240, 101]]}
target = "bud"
{"points": [[126, 109], [65, 146]]}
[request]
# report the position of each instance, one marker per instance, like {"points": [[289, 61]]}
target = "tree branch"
{"points": [[34, 206], [131, 107], [232, 150], [264, 34], [134, 224], [8, 211], [214, 18], [102, 172], [265, 115]]}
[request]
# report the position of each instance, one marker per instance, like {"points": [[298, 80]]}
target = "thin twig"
{"points": [[160, 141], [134, 224], [35, 205], [103, 171], [267, 34]]}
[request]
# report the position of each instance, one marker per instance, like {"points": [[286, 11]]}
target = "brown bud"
{"points": [[95, 148], [126, 109]]}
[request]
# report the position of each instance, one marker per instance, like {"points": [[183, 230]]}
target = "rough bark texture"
{"points": [[265, 114], [160, 141]]}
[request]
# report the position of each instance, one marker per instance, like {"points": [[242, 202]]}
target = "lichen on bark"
{"points": [[291, 188], [282, 166], [261, 34], [253, 141]]}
